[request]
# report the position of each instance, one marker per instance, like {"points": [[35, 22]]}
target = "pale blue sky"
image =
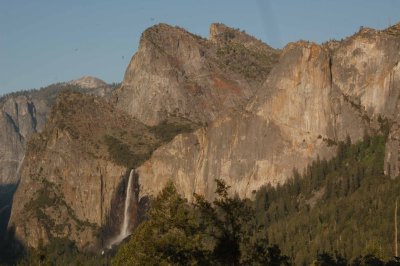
{"points": [[48, 41]]}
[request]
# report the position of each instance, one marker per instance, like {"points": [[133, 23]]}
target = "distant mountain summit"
{"points": [[88, 82]]}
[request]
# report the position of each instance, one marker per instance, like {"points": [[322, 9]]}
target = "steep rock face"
{"points": [[12, 145], [262, 123], [74, 176], [63, 193], [286, 125], [67, 180], [315, 93], [21, 117], [25, 113], [176, 72], [366, 69]]}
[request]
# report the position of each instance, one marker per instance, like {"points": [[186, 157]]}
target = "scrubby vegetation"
{"points": [[237, 58], [50, 197], [49, 93], [121, 153], [131, 149], [102, 131], [169, 128]]}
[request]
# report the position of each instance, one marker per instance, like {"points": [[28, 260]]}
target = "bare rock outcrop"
{"points": [[176, 72], [315, 96], [25, 113], [228, 107], [20, 117], [287, 125], [88, 82], [74, 176], [366, 69], [68, 180]]}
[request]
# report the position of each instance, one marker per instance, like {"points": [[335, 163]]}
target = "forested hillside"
{"points": [[338, 212], [345, 205]]}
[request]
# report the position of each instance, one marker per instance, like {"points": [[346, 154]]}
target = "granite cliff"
{"points": [[176, 72], [192, 110], [314, 97], [74, 176], [75, 172], [24, 113], [66, 178]]}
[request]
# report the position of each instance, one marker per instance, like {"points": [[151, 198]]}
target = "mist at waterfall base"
{"points": [[124, 231]]}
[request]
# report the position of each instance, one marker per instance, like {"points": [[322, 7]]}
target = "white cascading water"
{"points": [[19, 167], [124, 232]]}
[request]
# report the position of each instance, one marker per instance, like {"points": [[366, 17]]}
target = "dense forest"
{"points": [[338, 212], [344, 206]]}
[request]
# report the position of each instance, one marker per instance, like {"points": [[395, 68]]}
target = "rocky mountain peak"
{"points": [[221, 34], [163, 33], [88, 82], [393, 30], [242, 111], [177, 72]]}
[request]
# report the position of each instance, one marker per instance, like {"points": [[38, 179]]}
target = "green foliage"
{"points": [[252, 64], [131, 149], [121, 153], [48, 93], [167, 129], [236, 236], [170, 236], [220, 233], [343, 206], [49, 196], [45, 197], [326, 259], [60, 252]]}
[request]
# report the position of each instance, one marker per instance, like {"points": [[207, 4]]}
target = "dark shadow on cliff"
{"points": [[114, 218], [6, 197], [11, 249]]}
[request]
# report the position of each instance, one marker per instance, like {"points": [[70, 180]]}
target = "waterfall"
{"points": [[124, 232], [19, 167]]}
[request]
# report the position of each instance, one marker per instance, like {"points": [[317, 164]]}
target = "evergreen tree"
{"points": [[238, 238], [170, 236]]}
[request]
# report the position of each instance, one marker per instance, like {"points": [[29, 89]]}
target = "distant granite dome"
{"points": [[88, 82]]}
